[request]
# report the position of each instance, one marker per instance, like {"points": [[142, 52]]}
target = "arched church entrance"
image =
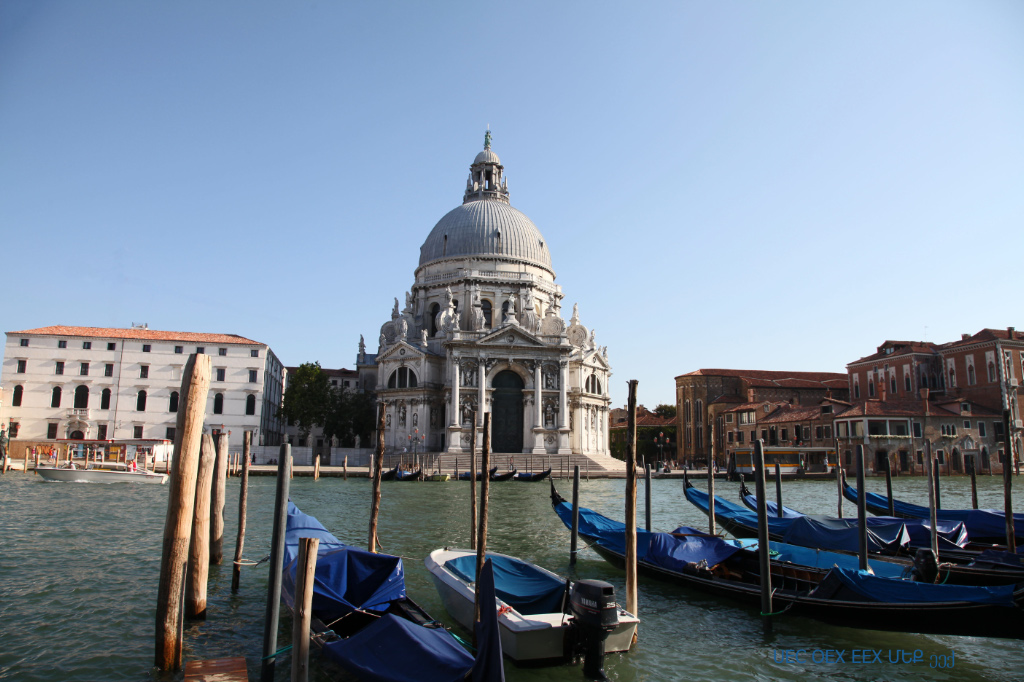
{"points": [[507, 429], [76, 435]]}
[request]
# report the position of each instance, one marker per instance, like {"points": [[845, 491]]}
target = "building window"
{"points": [[108, 370], [218, 403], [62, 344], [55, 397], [892, 383], [84, 369], [739, 436], [488, 311], [170, 433], [250, 404], [144, 372], [819, 432], [200, 350], [252, 375], [917, 429], [146, 348], [828, 431], [21, 366], [981, 430], [942, 456], [871, 389], [906, 382], [952, 377], [172, 403], [81, 397], [24, 343], [140, 402], [51, 431], [105, 399], [728, 418], [179, 349], [58, 368], [222, 351], [101, 432], [753, 435], [856, 390], [111, 346], [254, 353], [731, 436], [138, 431], [785, 434], [86, 345], [402, 377], [970, 375], [16, 399], [220, 373]]}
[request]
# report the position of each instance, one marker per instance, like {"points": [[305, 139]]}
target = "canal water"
{"points": [[79, 567]]}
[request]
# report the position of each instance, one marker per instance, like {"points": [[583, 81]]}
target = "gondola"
{"points": [[840, 596], [532, 477], [361, 613], [890, 540], [983, 525], [507, 476], [399, 474], [464, 476]]}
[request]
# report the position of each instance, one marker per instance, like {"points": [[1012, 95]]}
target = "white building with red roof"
{"points": [[100, 383]]}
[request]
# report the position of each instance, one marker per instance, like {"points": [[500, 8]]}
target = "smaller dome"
{"points": [[487, 156]]}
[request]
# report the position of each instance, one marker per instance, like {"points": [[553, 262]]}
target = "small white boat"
{"points": [[531, 604], [101, 473]]}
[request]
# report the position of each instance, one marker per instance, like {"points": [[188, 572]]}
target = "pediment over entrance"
{"points": [[401, 350], [511, 336], [596, 359]]}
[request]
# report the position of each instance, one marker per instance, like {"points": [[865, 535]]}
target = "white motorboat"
{"points": [[101, 473], [531, 604]]}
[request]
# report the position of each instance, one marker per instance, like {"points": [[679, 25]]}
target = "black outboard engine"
{"points": [[594, 615], [926, 566]]}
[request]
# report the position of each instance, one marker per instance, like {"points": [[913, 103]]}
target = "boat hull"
{"points": [[55, 474], [524, 639]]}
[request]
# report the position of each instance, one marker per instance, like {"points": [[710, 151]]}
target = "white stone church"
{"points": [[482, 331]]}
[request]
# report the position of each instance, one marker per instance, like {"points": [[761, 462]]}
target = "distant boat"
{"points": [[464, 476], [102, 473], [507, 476], [362, 617], [438, 477], [534, 477], [843, 596], [398, 474], [533, 604]]}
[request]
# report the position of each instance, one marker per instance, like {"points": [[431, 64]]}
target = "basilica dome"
{"points": [[485, 225]]}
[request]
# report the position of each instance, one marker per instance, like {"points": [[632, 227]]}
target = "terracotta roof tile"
{"points": [[140, 334]]}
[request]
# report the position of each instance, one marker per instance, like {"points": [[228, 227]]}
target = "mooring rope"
{"points": [[250, 562]]}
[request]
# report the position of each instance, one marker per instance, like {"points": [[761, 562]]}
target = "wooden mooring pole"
{"points": [[243, 497], [378, 465], [273, 612], [840, 480], [888, 485], [763, 546], [711, 482], [199, 552], [485, 482], [575, 530], [632, 601], [974, 483], [647, 496], [316, 468], [181, 499], [862, 512], [1008, 460], [472, 485], [344, 467], [778, 490], [218, 496], [931, 498], [302, 615]]}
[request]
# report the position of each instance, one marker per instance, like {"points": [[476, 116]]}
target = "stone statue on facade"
{"points": [[549, 378], [403, 328], [401, 415], [394, 311], [423, 337], [362, 345]]}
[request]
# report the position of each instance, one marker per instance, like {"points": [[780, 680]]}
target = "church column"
{"points": [[538, 411], [563, 409], [454, 428]]}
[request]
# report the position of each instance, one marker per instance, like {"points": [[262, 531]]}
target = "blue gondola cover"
{"points": [[489, 666], [873, 588], [517, 583]]}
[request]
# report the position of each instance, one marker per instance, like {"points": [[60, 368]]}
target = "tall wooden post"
{"points": [[974, 482], [316, 468], [888, 485], [472, 486], [840, 480], [344, 467], [632, 601], [199, 552], [711, 481], [485, 483], [1008, 459], [938, 490], [305, 572], [243, 497], [219, 494], [273, 612], [862, 511], [575, 530], [778, 490], [932, 520], [378, 465], [763, 546], [647, 496], [181, 499]]}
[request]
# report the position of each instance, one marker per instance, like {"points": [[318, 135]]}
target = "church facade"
{"points": [[481, 331]]}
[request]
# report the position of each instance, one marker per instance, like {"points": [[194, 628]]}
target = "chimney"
{"points": [[964, 337], [1009, 332]]}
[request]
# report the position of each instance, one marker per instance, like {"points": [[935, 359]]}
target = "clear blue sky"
{"points": [[737, 184]]}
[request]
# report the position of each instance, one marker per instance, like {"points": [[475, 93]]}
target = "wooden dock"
{"points": [[217, 670]]}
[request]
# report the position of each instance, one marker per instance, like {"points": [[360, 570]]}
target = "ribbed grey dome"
{"points": [[487, 156], [486, 228]]}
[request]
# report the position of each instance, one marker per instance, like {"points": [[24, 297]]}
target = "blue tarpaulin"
{"points": [[878, 589], [837, 534], [347, 578], [489, 666], [687, 545], [611, 534], [994, 558], [517, 583], [393, 649]]}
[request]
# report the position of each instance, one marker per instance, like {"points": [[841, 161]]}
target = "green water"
{"points": [[79, 566]]}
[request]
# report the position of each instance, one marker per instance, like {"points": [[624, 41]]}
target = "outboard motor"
{"points": [[926, 566], [594, 615]]}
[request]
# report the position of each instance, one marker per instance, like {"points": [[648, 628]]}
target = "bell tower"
{"points": [[486, 176]]}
